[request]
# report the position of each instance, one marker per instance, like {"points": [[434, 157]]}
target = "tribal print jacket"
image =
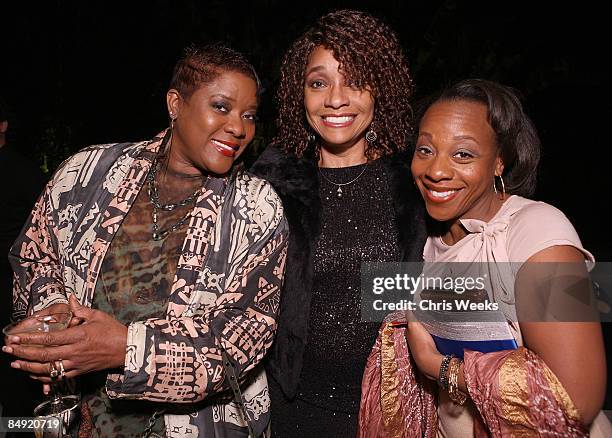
{"points": [[225, 296]]}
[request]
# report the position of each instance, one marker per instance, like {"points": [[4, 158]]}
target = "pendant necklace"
{"points": [[340, 185]]}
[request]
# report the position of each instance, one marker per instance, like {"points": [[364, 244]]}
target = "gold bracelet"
{"points": [[454, 393]]}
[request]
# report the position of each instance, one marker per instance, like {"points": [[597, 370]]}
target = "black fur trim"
{"points": [[409, 207]]}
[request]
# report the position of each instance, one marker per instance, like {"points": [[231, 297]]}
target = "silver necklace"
{"points": [[153, 193], [340, 185]]}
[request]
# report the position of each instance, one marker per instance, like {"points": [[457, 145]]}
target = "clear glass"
{"points": [[45, 323], [39, 323]]}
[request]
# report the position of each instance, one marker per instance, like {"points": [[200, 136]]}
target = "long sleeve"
{"points": [[179, 359], [34, 257]]}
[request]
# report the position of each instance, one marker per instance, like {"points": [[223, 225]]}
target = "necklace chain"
{"points": [[340, 185], [148, 431], [153, 193]]}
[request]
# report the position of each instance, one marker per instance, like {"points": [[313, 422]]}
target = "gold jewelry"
{"points": [[53, 371], [62, 371], [502, 185], [454, 393]]}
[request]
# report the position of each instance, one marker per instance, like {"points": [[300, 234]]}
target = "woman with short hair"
{"points": [[475, 163], [171, 258]]}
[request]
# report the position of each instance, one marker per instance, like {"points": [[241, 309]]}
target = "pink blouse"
{"points": [[520, 229]]}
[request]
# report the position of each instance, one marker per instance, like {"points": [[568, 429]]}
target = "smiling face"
{"points": [[214, 125], [455, 161], [338, 112]]}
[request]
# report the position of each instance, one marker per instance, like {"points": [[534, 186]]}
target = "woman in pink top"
{"points": [[475, 158]]}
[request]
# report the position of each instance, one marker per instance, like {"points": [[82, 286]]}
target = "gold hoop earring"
{"points": [[503, 186]]}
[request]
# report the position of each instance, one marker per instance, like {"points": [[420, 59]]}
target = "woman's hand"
{"points": [[59, 308], [423, 349], [98, 343]]}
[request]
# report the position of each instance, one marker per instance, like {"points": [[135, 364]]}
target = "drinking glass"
{"points": [[57, 406]]}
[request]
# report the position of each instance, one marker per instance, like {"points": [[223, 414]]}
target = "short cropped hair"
{"points": [[516, 136], [370, 57], [201, 64]]}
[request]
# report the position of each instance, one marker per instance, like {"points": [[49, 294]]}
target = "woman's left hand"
{"points": [[98, 343], [423, 349]]}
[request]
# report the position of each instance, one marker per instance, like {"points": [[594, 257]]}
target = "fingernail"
{"points": [[7, 349], [15, 365], [14, 339]]}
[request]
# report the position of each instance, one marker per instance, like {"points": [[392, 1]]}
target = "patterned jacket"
{"points": [[225, 295]]}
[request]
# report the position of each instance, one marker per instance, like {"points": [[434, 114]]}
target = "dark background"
{"points": [[79, 73]]}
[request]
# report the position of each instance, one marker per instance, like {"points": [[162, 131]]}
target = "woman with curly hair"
{"points": [[341, 167]]}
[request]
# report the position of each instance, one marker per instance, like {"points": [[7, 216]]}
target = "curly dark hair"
{"points": [[202, 63], [370, 56], [517, 138]]}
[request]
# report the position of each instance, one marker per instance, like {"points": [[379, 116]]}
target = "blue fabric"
{"points": [[449, 346]]}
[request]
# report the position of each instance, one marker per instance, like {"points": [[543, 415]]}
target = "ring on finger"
{"points": [[53, 371], [62, 371]]}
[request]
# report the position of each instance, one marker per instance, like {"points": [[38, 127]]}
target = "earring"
{"points": [[503, 186], [168, 145], [371, 136], [311, 138]]}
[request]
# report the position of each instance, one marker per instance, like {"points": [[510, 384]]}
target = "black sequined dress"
{"points": [[358, 225]]}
